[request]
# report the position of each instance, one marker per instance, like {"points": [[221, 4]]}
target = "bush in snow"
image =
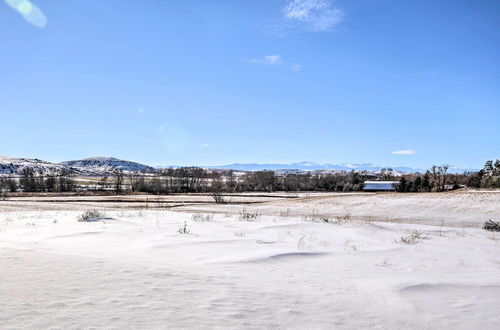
{"points": [[412, 238], [492, 225], [219, 198], [91, 215], [249, 216], [183, 229], [200, 217]]}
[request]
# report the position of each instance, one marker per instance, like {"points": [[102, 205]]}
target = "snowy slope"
{"points": [[101, 165], [11, 165], [89, 166]]}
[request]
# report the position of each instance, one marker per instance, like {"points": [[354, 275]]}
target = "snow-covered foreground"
{"points": [[136, 271], [454, 209]]}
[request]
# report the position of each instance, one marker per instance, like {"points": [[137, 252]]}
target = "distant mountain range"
{"points": [[99, 166], [315, 167], [311, 166]]}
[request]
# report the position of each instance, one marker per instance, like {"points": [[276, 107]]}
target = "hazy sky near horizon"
{"points": [[203, 82]]}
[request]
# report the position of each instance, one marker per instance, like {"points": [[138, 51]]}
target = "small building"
{"points": [[380, 185]]}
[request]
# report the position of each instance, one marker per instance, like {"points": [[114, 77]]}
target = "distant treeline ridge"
{"points": [[199, 180]]}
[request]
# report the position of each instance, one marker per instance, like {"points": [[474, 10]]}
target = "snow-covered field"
{"points": [[288, 268]]}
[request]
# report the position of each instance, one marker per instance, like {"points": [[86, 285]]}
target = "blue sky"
{"points": [[190, 82]]}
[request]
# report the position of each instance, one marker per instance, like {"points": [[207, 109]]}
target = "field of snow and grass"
{"points": [[346, 261]]}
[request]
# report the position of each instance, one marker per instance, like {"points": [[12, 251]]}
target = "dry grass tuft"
{"points": [[249, 216], [412, 238], [183, 229], [91, 215], [201, 217], [285, 213]]}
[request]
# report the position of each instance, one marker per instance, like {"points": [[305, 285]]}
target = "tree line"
{"points": [[33, 181], [199, 180], [439, 179]]}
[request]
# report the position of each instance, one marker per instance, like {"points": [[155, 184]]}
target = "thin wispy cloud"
{"points": [[29, 11], [272, 59], [404, 152], [296, 67], [317, 15], [205, 145], [269, 60]]}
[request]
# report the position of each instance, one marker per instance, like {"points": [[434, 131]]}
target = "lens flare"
{"points": [[25, 7], [29, 11]]}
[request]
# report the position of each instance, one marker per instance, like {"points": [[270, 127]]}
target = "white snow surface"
{"points": [[133, 270]]}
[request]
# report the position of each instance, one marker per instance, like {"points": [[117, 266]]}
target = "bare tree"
{"points": [[103, 183], [439, 176], [118, 175], [3, 194], [444, 170], [219, 197], [137, 181], [217, 186]]}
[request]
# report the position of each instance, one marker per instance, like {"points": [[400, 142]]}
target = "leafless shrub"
{"points": [[183, 229], [327, 219], [91, 215], [331, 221], [200, 217], [315, 217], [4, 195], [301, 242], [219, 198], [249, 216], [491, 225], [411, 238], [344, 218], [441, 228], [239, 234], [368, 220], [285, 213], [132, 214]]}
